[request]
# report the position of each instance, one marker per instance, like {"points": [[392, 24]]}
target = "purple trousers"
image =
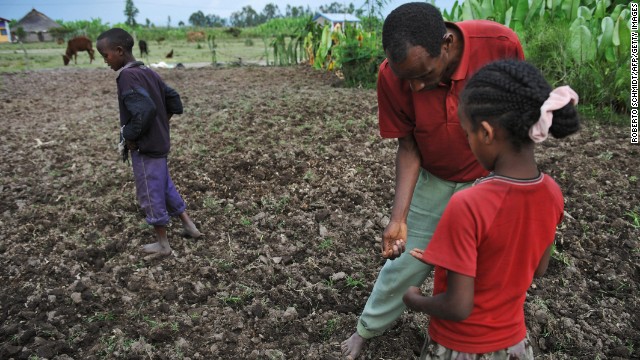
{"points": [[156, 193]]}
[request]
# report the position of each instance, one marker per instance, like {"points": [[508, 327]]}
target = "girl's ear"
{"points": [[487, 132]]}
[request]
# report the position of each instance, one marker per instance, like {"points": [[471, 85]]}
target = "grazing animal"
{"points": [[75, 45], [170, 54], [143, 47], [195, 36]]}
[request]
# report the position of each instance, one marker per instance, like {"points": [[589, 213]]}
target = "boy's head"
{"points": [[116, 46]]}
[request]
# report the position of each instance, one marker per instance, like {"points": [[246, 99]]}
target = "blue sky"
{"points": [[158, 11]]}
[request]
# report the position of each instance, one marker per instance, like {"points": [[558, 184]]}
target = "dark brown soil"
{"points": [[288, 178]]}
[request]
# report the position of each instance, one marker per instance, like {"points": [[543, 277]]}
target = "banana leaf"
{"points": [[533, 10], [605, 40], [585, 12], [467, 11], [581, 44], [570, 8], [499, 8]]}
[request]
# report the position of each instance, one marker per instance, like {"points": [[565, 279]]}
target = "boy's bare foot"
{"points": [[156, 248], [191, 231], [352, 346]]}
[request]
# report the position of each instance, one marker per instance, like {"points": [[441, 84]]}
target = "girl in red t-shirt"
{"points": [[494, 237]]}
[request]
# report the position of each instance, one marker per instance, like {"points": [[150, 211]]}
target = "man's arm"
{"points": [[408, 162]]}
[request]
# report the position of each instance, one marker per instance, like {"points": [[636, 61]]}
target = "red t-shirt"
{"points": [[496, 232], [432, 115]]}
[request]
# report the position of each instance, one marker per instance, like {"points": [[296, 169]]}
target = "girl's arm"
{"points": [[455, 304], [544, 262]]}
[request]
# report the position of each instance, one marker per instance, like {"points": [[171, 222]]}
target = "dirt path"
{"points": [[288, 178]]}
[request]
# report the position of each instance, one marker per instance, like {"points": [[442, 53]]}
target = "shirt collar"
{"points": [[463, 66], [130, 64], [514, 181]]}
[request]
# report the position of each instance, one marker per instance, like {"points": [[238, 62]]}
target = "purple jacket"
{"points": [[145, 104]]}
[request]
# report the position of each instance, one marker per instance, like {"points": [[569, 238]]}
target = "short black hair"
{"points": [[509, 93], [411, 24], [118, 37]]}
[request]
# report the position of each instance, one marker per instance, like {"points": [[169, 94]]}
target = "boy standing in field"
{"points": [[146, 105]]}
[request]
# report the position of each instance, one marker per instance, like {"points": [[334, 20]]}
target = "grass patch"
{"points": [[48, 55]]}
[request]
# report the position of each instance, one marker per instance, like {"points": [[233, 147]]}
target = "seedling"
{"points": [[635, 218], [325, 244], [329, 329], [353, 282]]}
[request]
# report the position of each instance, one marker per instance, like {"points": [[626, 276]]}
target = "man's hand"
{"points": [[394, 239], [131, 145]]}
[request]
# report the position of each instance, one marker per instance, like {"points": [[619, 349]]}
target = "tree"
{"points": [[216, 21], [131, 11], [297, 11], [337, 8], [247, 17], [198, 19], [168, 22], [270, 11]]}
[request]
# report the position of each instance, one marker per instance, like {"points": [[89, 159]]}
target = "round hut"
{"points": [[36, 26]]}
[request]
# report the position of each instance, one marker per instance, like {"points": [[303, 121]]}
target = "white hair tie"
{"points": [[558, 98]]}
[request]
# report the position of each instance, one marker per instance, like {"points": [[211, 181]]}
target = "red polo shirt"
{"points": [[496, 232], [432, 115]]}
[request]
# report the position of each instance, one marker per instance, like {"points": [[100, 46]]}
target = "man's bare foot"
{"points": [[156, 248], [352, 346]]}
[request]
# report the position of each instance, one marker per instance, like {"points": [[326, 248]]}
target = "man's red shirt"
{"points": [[432, 115]]}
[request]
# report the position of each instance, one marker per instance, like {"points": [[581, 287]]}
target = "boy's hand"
{"points": [[131, 145], [394, 240]]}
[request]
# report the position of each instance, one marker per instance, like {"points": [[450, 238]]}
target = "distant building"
{"points": [[36, 26], [5, 31], [335, 19]]}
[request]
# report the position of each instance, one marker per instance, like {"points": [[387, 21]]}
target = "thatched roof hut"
{"points": [[36, 26]]}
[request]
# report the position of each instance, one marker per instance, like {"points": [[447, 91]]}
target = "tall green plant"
{"points": [[211, 42], [594, 54]]}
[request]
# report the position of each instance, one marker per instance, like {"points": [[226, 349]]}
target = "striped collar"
{"points": [[493, 177]]}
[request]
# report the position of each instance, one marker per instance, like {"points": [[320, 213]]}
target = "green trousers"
{"points": [[385, 305]]}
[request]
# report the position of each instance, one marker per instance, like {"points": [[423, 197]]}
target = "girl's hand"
{"points": [[417, 253], [412, 297]]}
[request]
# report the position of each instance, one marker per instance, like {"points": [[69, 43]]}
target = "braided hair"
{"points": [[509, 93], [118, 37], [412, 24]]}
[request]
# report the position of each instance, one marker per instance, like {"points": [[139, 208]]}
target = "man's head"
{"points": [[115, 45], [418, 46], [412, 24]]}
